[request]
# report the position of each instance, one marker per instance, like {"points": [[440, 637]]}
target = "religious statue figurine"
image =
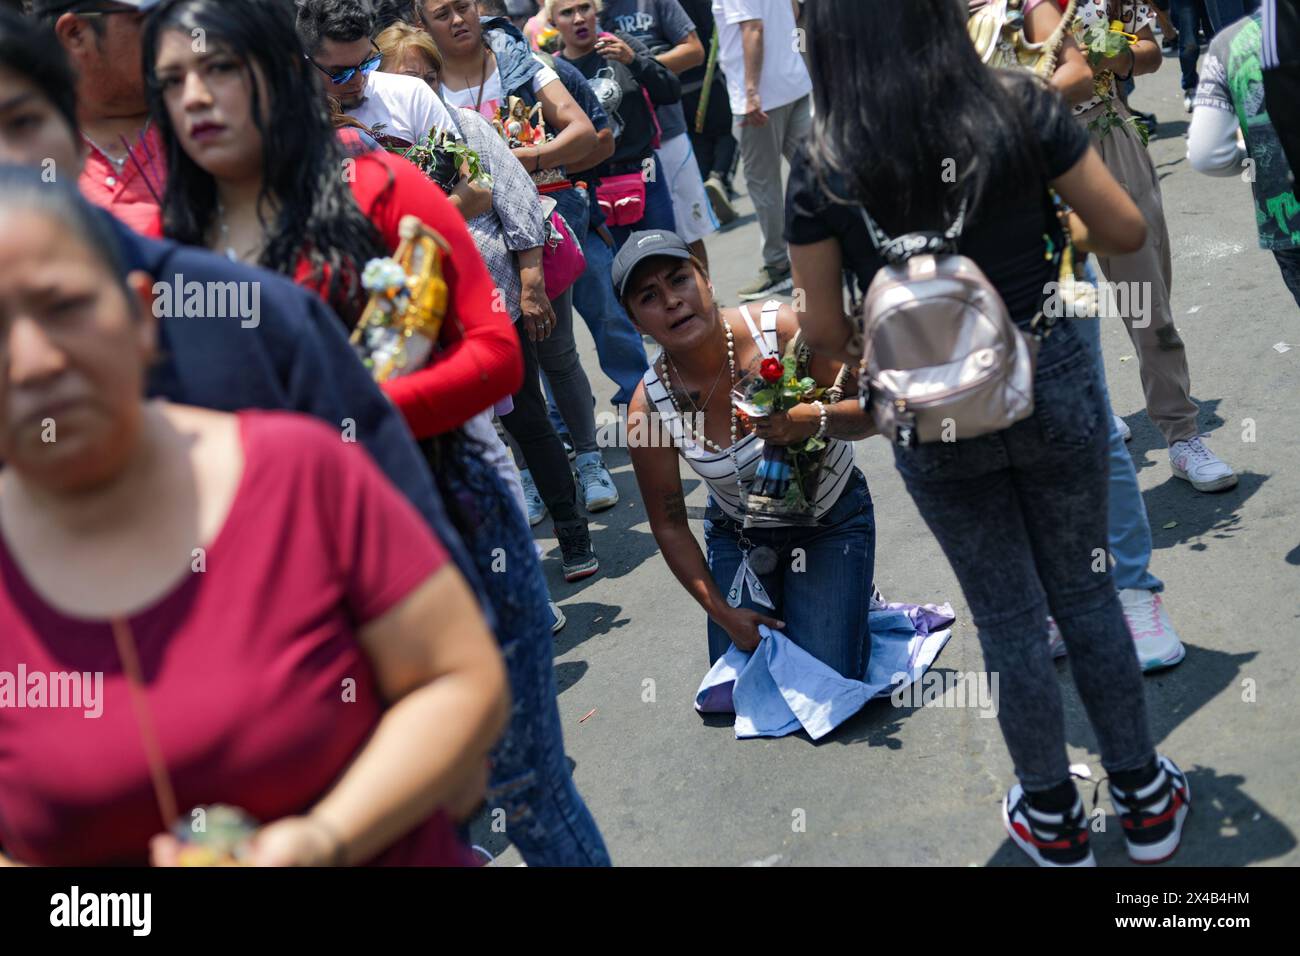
{"points": [[408, 303]]}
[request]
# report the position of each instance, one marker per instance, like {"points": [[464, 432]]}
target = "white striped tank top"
{"points": [[716, 468]]}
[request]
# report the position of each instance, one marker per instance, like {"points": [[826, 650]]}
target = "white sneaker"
{"points": [[598, 490], [1054, 639], [1153, 633], [1192, 461], [532, 498], [1122, 427], [1188, 101]]}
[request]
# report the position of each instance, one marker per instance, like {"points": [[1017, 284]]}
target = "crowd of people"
{"points": [[351, 640]]}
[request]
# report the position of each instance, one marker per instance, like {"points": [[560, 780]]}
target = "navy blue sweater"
{"points": [[296, 358]]}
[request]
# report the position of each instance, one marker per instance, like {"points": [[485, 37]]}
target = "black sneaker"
{"points": [[1153, 815], [1050, 839], [577, 558], [570, 448]]}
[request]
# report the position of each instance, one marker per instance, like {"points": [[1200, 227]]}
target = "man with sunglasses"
{"points": [[337, 37], [125, 170]]}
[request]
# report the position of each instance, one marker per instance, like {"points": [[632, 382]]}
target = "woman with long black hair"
{"points": [[258, 172], [912, 129]]}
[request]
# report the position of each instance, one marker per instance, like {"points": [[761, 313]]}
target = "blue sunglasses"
{"points": [[343, 74]]}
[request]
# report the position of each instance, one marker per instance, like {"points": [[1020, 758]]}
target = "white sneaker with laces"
{"points": [[598, 490], [1192, 461], [532, 498], [1153, 633]]}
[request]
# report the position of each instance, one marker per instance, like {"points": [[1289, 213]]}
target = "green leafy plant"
{"points": [[441, 156]]}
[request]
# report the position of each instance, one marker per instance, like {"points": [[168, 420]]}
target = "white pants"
{"points": [[691, 205]]}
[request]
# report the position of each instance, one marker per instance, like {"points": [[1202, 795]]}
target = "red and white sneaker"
{"points": [[1153, 816], [1153, 633], [1192, 461], [1050, 839]]}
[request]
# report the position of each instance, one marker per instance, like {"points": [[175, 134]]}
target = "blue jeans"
{"points": [[1129, 530], [822, 593], [618, 344], [658, 208], [1020, 514], [1187, 16], [546, 817]]}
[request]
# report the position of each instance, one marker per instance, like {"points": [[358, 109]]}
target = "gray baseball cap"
{"points": [[641, 246]]}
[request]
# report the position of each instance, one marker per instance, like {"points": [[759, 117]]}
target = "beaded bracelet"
{"points": [[825, 422]]}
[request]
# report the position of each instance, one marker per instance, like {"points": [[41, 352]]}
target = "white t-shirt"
{"points": [[404, 107], [490, 102], [785, 76]]}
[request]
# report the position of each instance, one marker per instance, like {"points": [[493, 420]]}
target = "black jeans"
{"points": [[529, 424], [1022, 517], [1288, 260]]}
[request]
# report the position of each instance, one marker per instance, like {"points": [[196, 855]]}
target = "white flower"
{"points": [[383, 275]]}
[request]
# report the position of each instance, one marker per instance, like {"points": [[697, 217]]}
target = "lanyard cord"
{"points": [[162, 785]]}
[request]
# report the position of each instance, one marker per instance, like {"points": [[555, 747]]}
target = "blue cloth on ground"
{"points": [[781, 688]]}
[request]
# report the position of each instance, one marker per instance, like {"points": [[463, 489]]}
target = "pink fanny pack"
{"points": [[622, 199]]}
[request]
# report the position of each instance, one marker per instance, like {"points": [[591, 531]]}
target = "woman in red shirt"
{"points": [[206, 608], [256, 169]]}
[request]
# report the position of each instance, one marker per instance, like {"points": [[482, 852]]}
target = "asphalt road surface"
{"points": [[904, 786]]}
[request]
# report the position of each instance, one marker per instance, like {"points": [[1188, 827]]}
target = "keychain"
{"points": [[754, 561]]}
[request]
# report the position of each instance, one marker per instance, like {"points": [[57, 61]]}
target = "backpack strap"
{"points": [[902, 248]]}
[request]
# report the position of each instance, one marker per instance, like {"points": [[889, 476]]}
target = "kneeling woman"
{"points": [[821, 594]]}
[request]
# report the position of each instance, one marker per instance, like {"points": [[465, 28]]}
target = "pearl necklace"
{"points": [[700, 438]]}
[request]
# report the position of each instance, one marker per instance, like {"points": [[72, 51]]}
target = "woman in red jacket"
{"points": [[258, 173]]}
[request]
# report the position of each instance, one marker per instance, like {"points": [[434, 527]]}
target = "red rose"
{"points": [[772, 370]]}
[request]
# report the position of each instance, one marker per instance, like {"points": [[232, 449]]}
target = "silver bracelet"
{"points": [[825, 421]]}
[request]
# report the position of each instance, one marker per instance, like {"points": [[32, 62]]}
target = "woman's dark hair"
{"points": [[25, 188], [902, 98], [30, 48], [316, 214]]}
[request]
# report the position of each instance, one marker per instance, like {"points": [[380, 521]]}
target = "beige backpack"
{"points": [[942, 358]]}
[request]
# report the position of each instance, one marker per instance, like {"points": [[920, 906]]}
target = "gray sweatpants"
{"points": [[761, 148]]}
